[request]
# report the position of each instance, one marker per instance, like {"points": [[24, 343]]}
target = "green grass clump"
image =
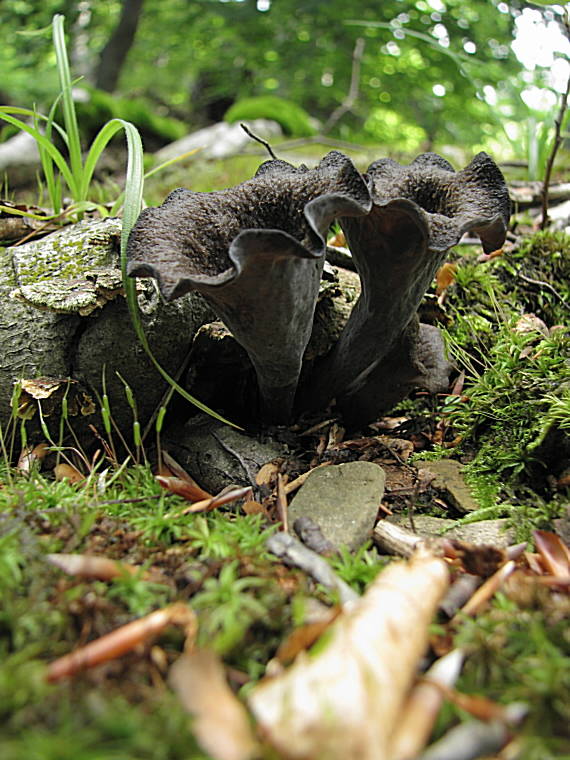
{"points": [[292, 118]]}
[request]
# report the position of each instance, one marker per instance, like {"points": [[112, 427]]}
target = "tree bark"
{"points": [[115, 52]]}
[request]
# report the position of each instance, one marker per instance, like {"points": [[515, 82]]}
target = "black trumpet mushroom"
{"points": [[419, 212], [256, 253]]}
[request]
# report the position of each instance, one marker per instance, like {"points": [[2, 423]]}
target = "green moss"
{"points": [[293, 119], [518, 652]]}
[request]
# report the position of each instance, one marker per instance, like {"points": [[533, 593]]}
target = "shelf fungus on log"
{"points": [[256, 253], [419, 212]]}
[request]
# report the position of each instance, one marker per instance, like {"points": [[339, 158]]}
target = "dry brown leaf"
{"points": [[252, 507], [180, 487], [343, 702], [88, 566], [30, 455], [554, 553], [338, 240], [172, 467], [122, 640], [304, 637], [220, 721], [445, 276], [64, 471], [207, 505], [267, 474]]}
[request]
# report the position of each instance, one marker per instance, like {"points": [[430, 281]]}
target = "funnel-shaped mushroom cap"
{"points": [[419, 212], [256, 252]]}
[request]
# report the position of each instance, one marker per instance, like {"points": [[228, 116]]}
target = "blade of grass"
{"points": [[133, 202], [58, 159], [69, 115], [53, 183]]}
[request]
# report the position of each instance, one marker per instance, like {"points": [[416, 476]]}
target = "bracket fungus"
{"points": [[256, 253]]}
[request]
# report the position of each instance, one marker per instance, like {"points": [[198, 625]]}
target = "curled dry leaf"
{"points": [[207, 505], [344, 702], [181, 487], [122, 640], [86, 566], [268, 472], [30, 455], [554, 553], [64, 471], [221, 723]]}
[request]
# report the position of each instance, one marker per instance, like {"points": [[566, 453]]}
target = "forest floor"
{"points": [[505, 420]]}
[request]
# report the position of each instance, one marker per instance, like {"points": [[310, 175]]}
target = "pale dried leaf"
{"points": [[343, 702], [267, 473], [221, 723], [87, 566]]}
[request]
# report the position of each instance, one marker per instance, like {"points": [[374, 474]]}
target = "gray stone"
{"points": [[216, 455], [489, 532], [449, 479], [343, 500]]}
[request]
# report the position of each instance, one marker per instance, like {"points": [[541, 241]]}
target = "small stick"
{"points": [[557, 137], [265, 144], [293, 552], [282, 506]]}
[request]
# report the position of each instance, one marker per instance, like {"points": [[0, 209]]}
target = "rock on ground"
{"points": [[343, 500]]}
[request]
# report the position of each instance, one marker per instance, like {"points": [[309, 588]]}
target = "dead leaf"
{"points": [[304, 637], [252, 507], [180, 487], [343, 701], [207, 505], [64, 471], [220, 721], [173, 468], [338, 240], [122, 640], [88, 566], [268, 472], [445, 277], [30, 455], [554, 553]]}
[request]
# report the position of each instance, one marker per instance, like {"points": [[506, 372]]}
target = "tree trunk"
{"points": [[115, 52]]}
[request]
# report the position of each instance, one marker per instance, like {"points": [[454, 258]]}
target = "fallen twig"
{"points": [[292, 552]]}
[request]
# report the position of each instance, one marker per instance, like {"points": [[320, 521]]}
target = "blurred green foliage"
{"points": [[292, 118], [425, 69]]}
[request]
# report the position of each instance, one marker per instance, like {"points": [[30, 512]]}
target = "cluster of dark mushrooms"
{"points": [[256, 253]]}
